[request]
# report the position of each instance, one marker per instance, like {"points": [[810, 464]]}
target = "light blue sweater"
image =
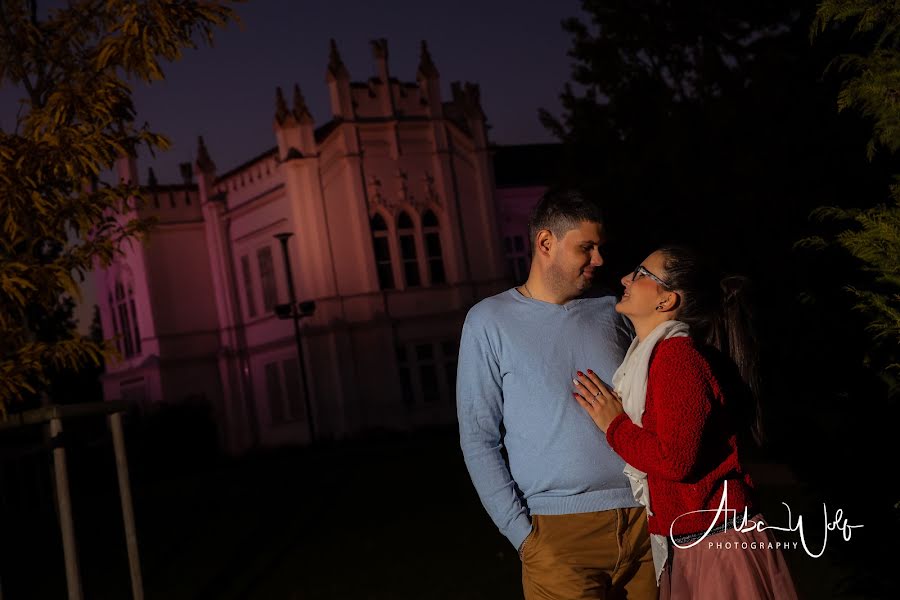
{"points": [[517, 359]]}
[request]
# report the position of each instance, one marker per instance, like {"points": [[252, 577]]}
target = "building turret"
{"points": [[293, 126], [467, 98], [384, 91], [429, 82], [338, 80], [380, 52], [204, 169], [203, 164]]}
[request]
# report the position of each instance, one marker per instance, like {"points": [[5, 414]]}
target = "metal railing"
{"points": [[53, 416]]}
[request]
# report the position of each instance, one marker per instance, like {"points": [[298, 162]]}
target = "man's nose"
{"points": [[596, 258]]}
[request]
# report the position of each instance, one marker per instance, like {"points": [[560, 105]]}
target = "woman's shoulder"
{"points": [[681, 347], [680, 355]]}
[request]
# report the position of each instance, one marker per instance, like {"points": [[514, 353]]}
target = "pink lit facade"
{"points": [[397, 230], [515, 205]]}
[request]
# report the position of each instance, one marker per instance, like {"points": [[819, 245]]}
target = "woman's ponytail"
{"points": [[719, 311], [738, 340]]}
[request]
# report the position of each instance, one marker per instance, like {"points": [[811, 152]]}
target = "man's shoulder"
{"points": [[490, 308], [607, 302], [603, 307], [601, 310]]}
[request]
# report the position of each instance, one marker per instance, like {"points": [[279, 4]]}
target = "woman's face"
{"points": [[643, 294]]}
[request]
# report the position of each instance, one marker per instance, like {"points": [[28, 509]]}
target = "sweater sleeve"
{"points": [[479, 403], [682, 394]]}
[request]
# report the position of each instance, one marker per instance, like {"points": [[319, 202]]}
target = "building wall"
{"points": [[374, 356], [515, 205]]}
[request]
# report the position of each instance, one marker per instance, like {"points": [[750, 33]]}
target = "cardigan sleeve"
{"points": [[680, 385]]}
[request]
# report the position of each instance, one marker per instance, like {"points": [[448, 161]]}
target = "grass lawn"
{"points": [[390, 518]]}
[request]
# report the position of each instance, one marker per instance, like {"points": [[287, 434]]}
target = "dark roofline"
{"points": [[246, 164], [322, 132], [526, 165], [169, 187]]}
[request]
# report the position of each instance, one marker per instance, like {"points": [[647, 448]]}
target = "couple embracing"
{"points": [[601, 446]]}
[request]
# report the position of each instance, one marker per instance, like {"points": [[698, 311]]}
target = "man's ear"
{"points": [[543, 242]]}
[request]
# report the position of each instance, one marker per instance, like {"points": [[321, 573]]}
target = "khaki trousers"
{"points": [[599, 555]]}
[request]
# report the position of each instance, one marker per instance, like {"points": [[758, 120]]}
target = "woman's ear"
{"points": [[669, 301]]}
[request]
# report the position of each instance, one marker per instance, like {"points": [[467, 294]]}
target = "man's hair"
{"points": [[560, 211]]}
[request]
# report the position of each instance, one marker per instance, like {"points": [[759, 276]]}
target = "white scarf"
{"points": [[630, 383]]}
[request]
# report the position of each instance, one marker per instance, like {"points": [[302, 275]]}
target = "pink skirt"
{"points": [[730, 564]]}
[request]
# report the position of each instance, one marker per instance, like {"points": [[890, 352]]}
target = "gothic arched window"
{"points": [[407, 234], [433, 254], [115, 323], [382, 246], [124, 318]]}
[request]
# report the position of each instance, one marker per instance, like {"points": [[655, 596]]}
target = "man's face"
{"points": [[574, 258]]}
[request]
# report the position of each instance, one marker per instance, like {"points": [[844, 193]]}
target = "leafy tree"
{"points": [[73, 68], [646, 71], [712, 124], [872, 88]]}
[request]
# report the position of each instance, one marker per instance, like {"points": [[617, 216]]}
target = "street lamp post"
{"points": [[295, 314]]}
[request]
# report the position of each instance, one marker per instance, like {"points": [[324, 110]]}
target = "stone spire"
{"points": [[204, 163], [300, 109], [336, 68], [380, 52], [427, 68], [281, 108], [338, 85], [468, 98], [429, 81]]}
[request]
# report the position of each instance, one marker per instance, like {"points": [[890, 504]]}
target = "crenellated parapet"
{"points": [[465, 110], [170, 202], [383, 96]]}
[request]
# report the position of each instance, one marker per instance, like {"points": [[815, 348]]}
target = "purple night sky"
{"points": [[515, 50]]}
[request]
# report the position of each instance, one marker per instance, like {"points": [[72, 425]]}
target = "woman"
{"points": [[677, 418]]}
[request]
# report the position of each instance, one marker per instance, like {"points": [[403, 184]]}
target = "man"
{"points": [[558, 492]]}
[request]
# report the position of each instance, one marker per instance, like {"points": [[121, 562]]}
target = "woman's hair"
{"points": [[719, 312]]}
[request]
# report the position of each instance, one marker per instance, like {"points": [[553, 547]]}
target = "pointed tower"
{"points": [[467, 97], [286, 130], [338, 80], [301, 114], [380, 52], [204, 167], [293, 126], [429, 80], [236, 417], [385, 90]]}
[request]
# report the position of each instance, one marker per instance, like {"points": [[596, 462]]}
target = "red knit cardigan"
{"points": [[688, 444]]}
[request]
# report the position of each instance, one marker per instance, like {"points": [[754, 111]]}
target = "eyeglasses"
{"points": [[641, 271]]}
